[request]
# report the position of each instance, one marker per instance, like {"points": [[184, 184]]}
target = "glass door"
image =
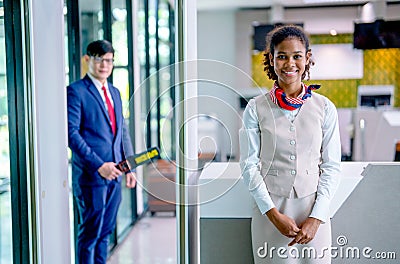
{"points": [[89, 20], [166, 97], [5, 195], [120, 78]]}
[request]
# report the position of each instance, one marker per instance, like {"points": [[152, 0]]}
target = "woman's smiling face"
{"points": [[289, 60]]}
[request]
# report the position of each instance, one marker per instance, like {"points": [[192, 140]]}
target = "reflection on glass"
{"points": [[166, 103], [5, 196], [120, 35], [152, 108], [91, 25], [124, 218], [120, 79], [141, 45]]}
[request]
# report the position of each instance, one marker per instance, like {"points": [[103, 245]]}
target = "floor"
{"points": [[151, 241]]}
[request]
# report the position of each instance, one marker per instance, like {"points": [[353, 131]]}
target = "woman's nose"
{"points": [[290, 61]]}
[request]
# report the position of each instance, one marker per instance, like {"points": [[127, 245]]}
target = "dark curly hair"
{"points": [[276, 36]]}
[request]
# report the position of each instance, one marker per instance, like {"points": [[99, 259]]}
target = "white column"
{"points": [[276, 14], [379, 7], [373, 10], [50, 130], [191, 107]]}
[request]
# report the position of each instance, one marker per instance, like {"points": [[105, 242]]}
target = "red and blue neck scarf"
{"points": [[279, 97]]}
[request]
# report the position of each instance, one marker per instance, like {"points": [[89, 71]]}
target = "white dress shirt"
{"points": [[99, 86]]}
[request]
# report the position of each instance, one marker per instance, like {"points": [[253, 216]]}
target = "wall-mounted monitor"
{"points": [[377, 35]]}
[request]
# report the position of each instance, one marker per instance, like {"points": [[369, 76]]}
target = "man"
{"points": [[98, 139]]}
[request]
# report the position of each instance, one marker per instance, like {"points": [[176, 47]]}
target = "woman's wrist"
{"points": [[272, 214]]}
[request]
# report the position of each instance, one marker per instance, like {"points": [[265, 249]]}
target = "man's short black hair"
{"points": [[99, 48]]}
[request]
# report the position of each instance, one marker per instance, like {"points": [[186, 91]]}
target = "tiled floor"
{"points": [[151, 241]]}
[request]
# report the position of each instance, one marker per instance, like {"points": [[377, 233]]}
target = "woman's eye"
{"points": [[297, 57], [281, 57]]}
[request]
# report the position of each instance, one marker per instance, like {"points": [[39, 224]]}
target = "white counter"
{"points": [[223, 194]]}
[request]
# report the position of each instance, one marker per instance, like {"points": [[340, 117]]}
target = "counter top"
{"points": [[223, 194]]}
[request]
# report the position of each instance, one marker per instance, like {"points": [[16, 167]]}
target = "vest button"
{"points": [[292, 128], [292, 142], [292, 157], [293, 172]]}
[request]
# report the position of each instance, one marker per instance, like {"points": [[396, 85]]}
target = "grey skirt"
{"points": [[270, 246]]}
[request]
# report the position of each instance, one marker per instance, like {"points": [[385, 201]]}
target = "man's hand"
{"points": [[130, 179], [286, 225], [308, 230], [108, 171]]}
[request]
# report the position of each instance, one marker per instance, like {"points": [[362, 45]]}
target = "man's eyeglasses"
{"points": [[99, 60]]}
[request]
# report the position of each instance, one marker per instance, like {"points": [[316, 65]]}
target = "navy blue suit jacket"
{"points": [[89, 132]]}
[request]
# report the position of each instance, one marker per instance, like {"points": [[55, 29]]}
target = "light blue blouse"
{"points": [[249, 138]]}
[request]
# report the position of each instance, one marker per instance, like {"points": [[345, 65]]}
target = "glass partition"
{"points": [[5, 196], [109, 20], [120, 80]]}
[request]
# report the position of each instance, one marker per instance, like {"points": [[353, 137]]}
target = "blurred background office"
{"points": [[356, 45]]}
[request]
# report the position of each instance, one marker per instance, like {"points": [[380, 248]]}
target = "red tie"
{"points": [[111, 112]]}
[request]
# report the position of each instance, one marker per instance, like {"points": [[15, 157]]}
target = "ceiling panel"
{"points": [[236, 4]]}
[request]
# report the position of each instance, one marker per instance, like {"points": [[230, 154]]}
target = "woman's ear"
{"points": [[308, 56], [271, 59]]}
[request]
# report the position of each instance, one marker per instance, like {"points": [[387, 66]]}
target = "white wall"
{"points": [[244, 40], [321, 20], [216, 41], [393, 12]]}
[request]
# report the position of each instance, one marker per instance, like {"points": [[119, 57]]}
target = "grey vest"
{"points": [[290, 153]]}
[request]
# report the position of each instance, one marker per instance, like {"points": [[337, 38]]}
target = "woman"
{"points": [[290, 157]]}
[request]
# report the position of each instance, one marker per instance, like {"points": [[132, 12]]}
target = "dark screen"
{"points": [[375, 100], [260, 34], [377, 35], [261, 31]]}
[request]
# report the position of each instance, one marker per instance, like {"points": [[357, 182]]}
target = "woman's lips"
{"points": [[289, 73]]}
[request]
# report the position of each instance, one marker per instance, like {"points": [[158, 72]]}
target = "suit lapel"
{"points": [[117, 104], [115, 97], [93, 90]]}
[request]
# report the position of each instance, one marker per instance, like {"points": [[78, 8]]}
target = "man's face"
{"points": [[100, 67]]}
